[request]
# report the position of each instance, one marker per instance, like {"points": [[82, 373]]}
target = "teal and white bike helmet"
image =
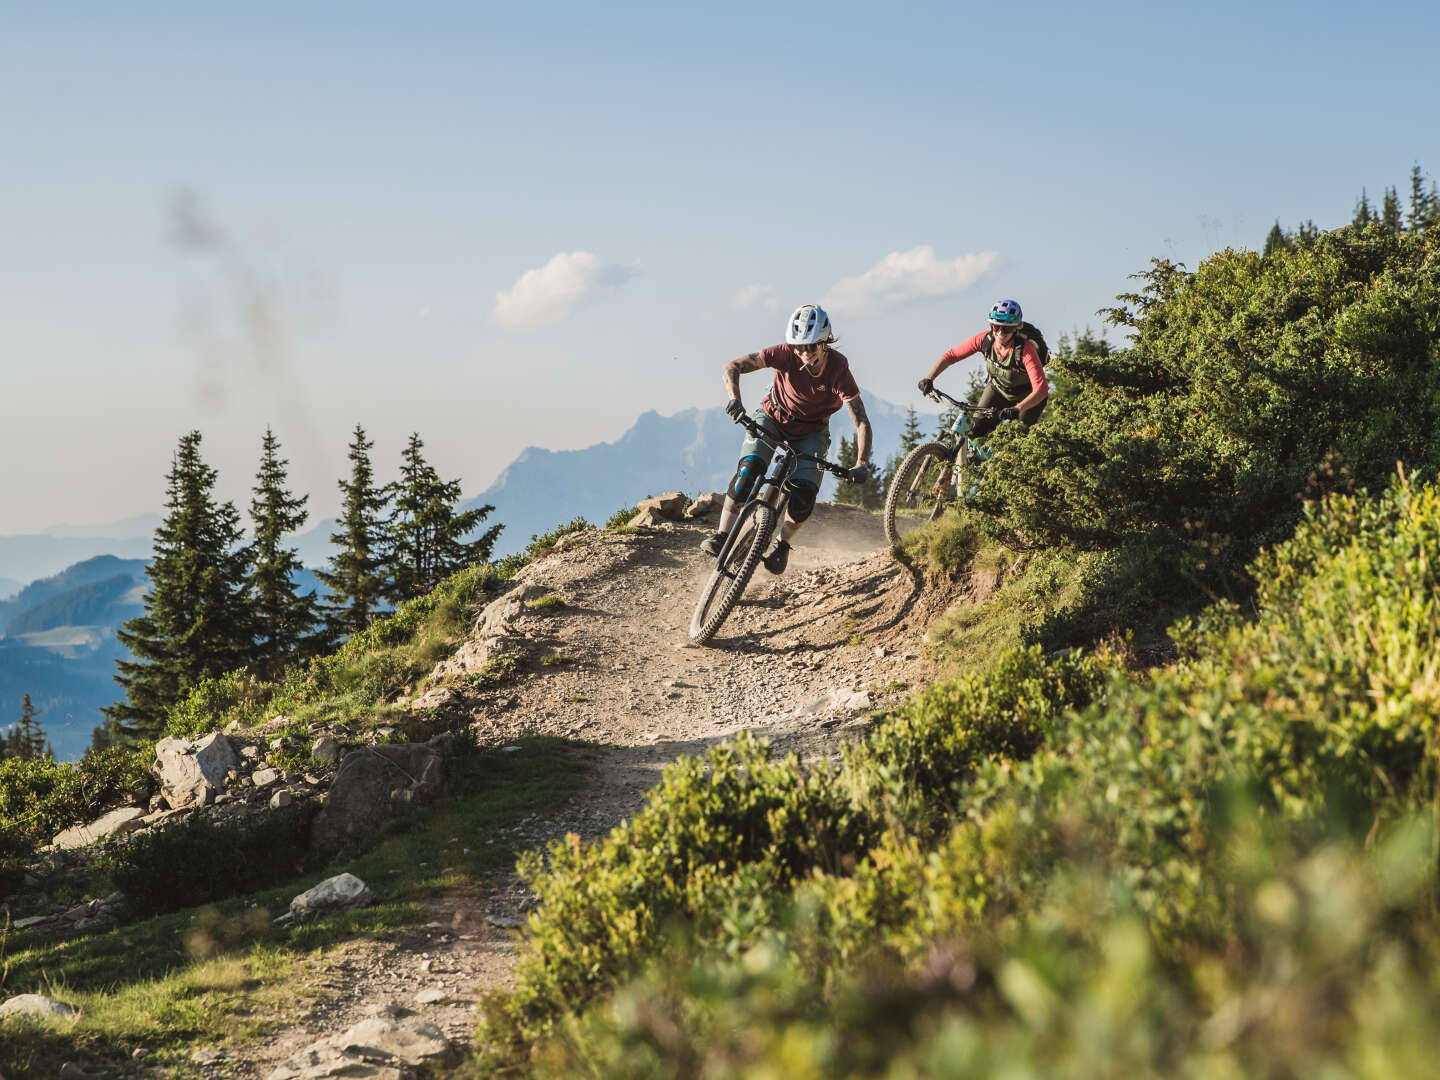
{"points": [[809, 325], [1006, 313]]}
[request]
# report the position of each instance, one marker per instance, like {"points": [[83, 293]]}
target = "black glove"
{"points": [[927, 386], [734, 409], [859, 474], [1009, 413]]}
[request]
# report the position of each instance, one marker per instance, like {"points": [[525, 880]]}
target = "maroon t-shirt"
{"points": [[802, 403]]}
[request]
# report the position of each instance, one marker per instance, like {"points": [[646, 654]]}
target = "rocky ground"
{"points": [[803, 660]]}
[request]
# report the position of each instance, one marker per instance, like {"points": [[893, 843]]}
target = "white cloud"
{"points": [[755, 297], [549, 293], [903, 276]]}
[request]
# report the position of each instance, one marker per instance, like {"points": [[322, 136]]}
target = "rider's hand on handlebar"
{"points": [[734, 409], [859, 474], [1009, 413], [927, 386]]}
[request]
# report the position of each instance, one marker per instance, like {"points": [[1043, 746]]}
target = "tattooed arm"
{"points": [[863, 435], [735, 368]]}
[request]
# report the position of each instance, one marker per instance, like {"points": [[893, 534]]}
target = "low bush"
{"points": [[39, 797], [199, 860]]}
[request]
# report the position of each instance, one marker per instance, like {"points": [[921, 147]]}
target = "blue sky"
{"points": [[504, 226]]}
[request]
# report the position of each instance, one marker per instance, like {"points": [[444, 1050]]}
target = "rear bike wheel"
{"points": [[924, 481], [749, 538]]}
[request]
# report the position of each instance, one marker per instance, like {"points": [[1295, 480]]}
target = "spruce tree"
{"points": [[1390, 211], [869, 494], [910, 435], [196, 623], [1276, 240], [1415, 219], [355, 579], [283, 619], [25, 741], [427, 535], [1364, 215]]}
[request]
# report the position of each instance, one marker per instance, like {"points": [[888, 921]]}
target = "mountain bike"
{"points": [[757, 521], [935, 474]]}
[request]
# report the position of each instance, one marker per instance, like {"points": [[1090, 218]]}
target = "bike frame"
{"points": [[771, 489], [959, 433]]}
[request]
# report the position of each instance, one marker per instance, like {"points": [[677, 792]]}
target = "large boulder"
{"points": [[380, 1048], [193, 771], [38, 1005], [374, 785], [660, 508], [342, 892], [116, 823], [705, 505]]}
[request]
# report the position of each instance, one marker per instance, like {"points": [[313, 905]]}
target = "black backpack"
{"points": [[1030, 332]]}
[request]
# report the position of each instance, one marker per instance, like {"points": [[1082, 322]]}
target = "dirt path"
{"points": [[801, 661]]}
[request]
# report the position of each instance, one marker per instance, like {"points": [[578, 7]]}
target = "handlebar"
{"points": [[775, 442], [980, 412]]}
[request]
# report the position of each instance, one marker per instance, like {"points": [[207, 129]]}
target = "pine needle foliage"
{"points": [[427, 535], [284, 619], [355, 577], [196, 623]]}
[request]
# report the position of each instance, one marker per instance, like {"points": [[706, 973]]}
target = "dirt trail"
{"points": [[801, 661]]}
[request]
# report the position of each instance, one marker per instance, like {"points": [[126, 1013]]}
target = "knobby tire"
{"points": [[728, 580], [924, 480]]}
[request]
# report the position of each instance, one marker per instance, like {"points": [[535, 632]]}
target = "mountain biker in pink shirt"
{"points": [[812, 381], [1015, 379]]}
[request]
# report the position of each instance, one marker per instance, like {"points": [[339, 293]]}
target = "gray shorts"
{"points": [[816, 444]]}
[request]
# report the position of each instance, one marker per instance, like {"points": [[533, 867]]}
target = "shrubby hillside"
{"points": [[1067, 864], [1171, 813]]}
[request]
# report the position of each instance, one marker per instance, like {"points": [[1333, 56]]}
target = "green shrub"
{"points": [[1241, 381], [199, 860], [621, 518], [39, 797]]}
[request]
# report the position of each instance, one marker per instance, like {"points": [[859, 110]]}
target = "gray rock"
{"points": [[326, 750], [705, 505], [115, 823], [192, 771], [38, 1005], [265, 777], [281, 799], [342, 892], [380, 1048], [362, 797], [667, 507]]}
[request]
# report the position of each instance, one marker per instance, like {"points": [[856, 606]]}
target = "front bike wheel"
{"points": [[925, 481], [749, 538]]}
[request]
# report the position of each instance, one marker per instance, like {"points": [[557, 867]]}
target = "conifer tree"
{"points": [[356, 575], [283, 619], [1276, 240], [869, 494], [1390, 211], [427, 535], [196, 623], [1364, 214], [1421, 210], [26, 739], [910, 435]]}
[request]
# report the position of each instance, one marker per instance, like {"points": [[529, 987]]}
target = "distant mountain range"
{"points": [[59, 631], [692, 451], [59, 647]]}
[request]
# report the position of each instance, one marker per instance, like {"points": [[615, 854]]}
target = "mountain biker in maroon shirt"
{"points": [[1015, 379], [812, 381]]}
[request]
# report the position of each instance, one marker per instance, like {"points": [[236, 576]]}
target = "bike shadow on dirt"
{"points": [[865, 587]]}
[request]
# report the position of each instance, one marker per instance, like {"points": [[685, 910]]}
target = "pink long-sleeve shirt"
{"points": [[1030, 358]]}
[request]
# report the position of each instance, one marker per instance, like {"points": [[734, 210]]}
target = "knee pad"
{"points": [[744, 479], [802, 500]]}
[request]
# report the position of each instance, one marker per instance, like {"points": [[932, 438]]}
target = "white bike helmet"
{"points": [[1006, 313], [809, 325]]}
